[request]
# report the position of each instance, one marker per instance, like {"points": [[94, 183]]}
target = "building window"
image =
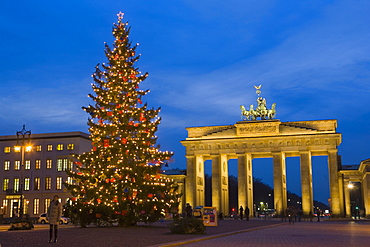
{"points": [[47, 204], [5, 206], [6, 184], [59, 183], [26, 183], [64, 165], [60, 147], [27, 165], [37, 164], [49, 163], [17, 165], [7, 150], [48, 183], [71, 146], [50, 148], [6, 165], [36, 206], [16, 185], [38, 148], [36, 184]]}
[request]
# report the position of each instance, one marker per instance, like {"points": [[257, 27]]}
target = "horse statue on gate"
{"points": [[261, 110]]}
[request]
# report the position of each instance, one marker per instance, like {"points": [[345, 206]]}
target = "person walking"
{"points": [[188, 210], [247, 213], [54, 215], [241, 210]]}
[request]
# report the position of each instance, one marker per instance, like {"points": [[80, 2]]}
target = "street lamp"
{"points": [[21, 147]]}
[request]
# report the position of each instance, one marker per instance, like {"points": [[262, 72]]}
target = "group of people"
{"points": [[243, 212]]}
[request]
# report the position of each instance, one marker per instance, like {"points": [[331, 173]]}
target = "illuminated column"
{"points": [[190, 180], [280, 193], [347, 199], [224, 184], [245, 182], [336, 193], [306, 182], [366, 193], [199, 171], [216, 182]]}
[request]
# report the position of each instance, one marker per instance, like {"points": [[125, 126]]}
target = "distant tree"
{"points": [[120, 177]]}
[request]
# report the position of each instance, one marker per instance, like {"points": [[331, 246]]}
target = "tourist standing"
{"points": [[54, 215], [247, 213]]}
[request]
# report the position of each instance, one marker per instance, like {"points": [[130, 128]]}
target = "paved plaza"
{"points": [[256, 232]]}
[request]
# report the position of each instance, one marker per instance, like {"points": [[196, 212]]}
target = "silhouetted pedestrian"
{"points": [[188, 210], [247, 213], [241, 211]]}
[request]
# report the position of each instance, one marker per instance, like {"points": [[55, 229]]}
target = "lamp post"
{"points": [[22, 148]]}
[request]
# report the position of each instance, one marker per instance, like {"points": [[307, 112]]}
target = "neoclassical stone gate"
{"points": [[247, 140]]}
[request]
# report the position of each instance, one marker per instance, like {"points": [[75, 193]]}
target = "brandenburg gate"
{"points": [[265, 138]]}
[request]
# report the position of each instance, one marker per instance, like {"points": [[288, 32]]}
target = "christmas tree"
{"points": [[119, 179]]}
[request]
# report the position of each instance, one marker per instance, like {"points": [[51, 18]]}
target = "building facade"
{"points": [[36, 175]]}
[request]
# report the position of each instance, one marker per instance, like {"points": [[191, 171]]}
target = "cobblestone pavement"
{"points": [[138, 236], [302, 234]]}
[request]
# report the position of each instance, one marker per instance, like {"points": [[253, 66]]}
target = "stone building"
{"points": [[41, 171]]}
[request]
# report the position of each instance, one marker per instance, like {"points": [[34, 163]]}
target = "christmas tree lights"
{"points": [[119, 177]]}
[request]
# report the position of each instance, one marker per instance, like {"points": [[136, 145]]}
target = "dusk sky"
{"points": [[203, 58]]}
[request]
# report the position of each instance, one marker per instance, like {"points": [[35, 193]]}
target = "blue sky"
{"points": [[203, 58]]}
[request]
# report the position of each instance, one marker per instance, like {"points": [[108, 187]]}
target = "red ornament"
{"points": [[107, 180], [113, 180], [106, 143], [124, 141], [139, 101], [150, 195]]}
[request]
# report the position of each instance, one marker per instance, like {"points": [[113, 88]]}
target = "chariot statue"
{"points": [[261, 110]]}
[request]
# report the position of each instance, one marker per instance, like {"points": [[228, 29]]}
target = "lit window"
{"points": [[50, 147], [37, 164], [6, 165], [60, 147], [48, 183], [16, 184], [64, 165], [36, 184], [47, 204], [59, 183], [71, 146], [17, 165], [36, 206], [38, 148], [5, 206], [26, 183], [49, 163], [6, 184], [7, 150], [69, 180], [27, 165]]}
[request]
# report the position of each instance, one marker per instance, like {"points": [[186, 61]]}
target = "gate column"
{"points": [[280, 193], [306, 182], [199, 171], [336, 193], [216, 182], [190, 180], [245, 182]]}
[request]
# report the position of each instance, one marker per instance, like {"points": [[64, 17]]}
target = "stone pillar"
{"points": [[190, 180], [216, 182], [306, 182], [245, 182], [347, 199], [224, 184], [199, 171], [366, 193], [336, 193], [280, 193]]}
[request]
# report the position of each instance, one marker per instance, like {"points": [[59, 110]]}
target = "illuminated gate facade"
{"points": [[247, 140]]}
